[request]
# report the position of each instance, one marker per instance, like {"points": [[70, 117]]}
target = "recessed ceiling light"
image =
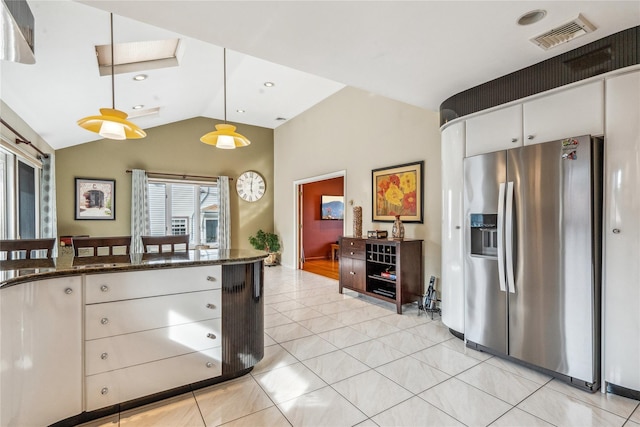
{"points": [[269, 84], [240, 111], [140, 77], [532, 17], [138, 107]]}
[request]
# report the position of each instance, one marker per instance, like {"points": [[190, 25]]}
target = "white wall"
{"points": [[357, 131]]}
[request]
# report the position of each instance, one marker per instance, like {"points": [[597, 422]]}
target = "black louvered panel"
{"points": [[242, 316], [607, 54]]}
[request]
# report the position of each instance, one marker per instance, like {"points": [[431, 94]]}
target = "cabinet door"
{"points": [[41, 375], [573, 112], [352, 273], [452, 282], [621, 340], [495, 131]]}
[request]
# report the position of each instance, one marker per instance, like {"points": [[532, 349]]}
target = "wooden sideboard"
{"points": [[387, 269]]}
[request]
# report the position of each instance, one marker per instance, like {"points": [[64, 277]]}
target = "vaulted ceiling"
{"points": [[417, 52]]}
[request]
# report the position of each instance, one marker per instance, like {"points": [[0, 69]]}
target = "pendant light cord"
{"points": [[113, 78], [224, 73]]}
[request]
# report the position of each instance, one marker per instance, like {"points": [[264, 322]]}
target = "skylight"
{"points": [[137, 56]]}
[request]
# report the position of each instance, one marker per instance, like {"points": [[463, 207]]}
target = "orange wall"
{"points": [[317, 234]]}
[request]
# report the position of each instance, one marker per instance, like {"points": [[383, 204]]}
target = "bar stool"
{"points": [[178, 243], [23, 248], [91, 246]]}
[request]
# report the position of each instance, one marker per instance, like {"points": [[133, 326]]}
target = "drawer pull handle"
{"points": [[514, 139], [104, 356], [352, 253], [616, 231], [530, 137], [211, 306], [352, 273], [68, 291], [104, 320], [104, 391], [351, 243], [209, 365], [211, 278], [104, 288], [212, 336]]}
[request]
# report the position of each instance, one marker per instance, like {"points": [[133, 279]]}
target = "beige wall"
{"points": [[357, 131], [9, 116], [174, 148]]}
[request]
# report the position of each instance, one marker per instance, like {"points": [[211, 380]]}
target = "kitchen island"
{"points": [[81, 338]]}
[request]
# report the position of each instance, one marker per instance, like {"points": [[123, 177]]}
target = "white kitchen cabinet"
{"points": [[166, 281], [137, 381], [149, 331], [621, 338], [123, 317], [452, 281], [106, 354], [494, 131], [571, 112], [41, 350]]}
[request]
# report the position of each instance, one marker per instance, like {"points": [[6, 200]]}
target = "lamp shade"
{"points": [[225, 137], [112, 124]]}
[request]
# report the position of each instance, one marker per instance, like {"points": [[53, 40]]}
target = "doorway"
{"points": [[314, 235]]}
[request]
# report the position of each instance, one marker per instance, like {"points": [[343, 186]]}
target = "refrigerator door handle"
{"points": [[508, 228], [501, 273]]}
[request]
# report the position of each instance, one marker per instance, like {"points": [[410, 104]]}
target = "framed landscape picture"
{"points": [[397, 190], [332, 207], [95, 199]]}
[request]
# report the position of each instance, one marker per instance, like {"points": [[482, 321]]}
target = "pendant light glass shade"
{"points": [[112, 123], [225, 135]]}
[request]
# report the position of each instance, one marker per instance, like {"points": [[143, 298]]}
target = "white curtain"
{"points": [[48, 216], [224, 214], [139, 209]]}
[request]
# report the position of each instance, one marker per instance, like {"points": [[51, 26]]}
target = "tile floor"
{"points": [[345, 360]]}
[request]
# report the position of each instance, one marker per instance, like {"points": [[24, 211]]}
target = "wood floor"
{"points": [[323, 267]]}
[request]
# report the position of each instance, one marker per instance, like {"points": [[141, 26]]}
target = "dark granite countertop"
{"points": [[20, 271]]}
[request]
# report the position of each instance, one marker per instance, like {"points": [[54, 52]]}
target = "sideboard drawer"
{"points": [[122, 317], [352, 248], [137, 381], [121, 351], [139, 284]]}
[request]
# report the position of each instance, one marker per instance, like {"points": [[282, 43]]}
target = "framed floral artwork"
{"points": [[397, 190]]}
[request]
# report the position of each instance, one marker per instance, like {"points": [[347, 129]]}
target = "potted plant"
{"points": [[269, 242]]}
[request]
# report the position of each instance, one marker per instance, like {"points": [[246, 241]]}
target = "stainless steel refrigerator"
{"points": [[533, 256]]}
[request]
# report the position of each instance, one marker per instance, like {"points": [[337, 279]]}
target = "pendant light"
{"points": [[112, 123], [225, 135]]}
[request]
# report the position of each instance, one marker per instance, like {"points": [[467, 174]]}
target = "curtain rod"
{"points": [[22, 140], [183, 176]]}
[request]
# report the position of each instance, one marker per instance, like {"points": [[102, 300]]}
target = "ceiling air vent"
{"points": [[564, 33]]}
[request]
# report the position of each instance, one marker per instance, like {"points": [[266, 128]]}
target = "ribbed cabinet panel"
{"points": [[610, 53], [242, 316]]}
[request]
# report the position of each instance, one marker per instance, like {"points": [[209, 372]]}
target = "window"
{"points": [[19, 190], [184, 208]]}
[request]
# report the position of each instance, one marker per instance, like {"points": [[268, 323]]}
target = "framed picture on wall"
{"points": [[332, 207], [397, 190], [95, 199]]}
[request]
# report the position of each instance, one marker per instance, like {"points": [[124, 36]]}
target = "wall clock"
{"points": [[250, 186]]}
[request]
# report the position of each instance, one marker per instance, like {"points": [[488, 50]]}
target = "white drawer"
{"points": [[122, 317], [139, 284], [108, 354], [137, 381]]}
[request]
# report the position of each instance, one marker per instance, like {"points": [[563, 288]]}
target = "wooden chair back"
{"points": [[165, 244], [23, 248], [91, 246]]}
